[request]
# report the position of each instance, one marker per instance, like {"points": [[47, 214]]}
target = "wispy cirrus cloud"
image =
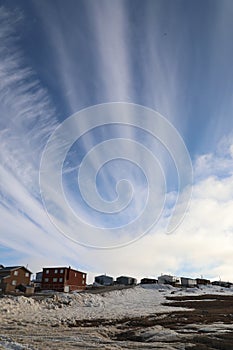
{"points": [[27, 119]]}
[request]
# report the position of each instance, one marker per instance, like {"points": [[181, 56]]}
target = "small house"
{"points": [[222, 284], [63, 279], [149, 281], [13, 276], [126, 281], [169, 279], [202, 281], [104, 280], [188, 282]]}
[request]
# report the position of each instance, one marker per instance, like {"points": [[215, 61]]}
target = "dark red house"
{"points": [[11, 277], [63, 279]]}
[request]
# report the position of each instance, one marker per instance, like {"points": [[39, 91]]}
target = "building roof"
{"points": [[62, 267], [7, 269], [104, 276]]}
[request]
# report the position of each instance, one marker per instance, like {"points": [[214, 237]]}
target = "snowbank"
{"points": [[63, 308]]}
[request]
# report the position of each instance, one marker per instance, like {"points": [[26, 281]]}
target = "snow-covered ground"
{"points": [[111, 305], [60, 310], [138, 301]]}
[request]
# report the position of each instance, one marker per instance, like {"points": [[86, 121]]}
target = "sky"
{"points": [[111, 114]]}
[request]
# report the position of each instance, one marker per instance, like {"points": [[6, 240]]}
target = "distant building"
{"points": [[39, 276], [125, 280], [202, 281], [37, 281], [13, 276], [168, 279], [188, 282], [63, 279], [222, 284], [104, 280], [149, 281]]}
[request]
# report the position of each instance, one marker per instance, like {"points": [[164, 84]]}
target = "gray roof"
{"points": [[104, 276], [11, 268]]}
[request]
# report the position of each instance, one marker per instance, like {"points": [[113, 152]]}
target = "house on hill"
{"points": [[63, 279], [104, 280], [188, 282], [222, 284], [125, 280], [202, 281], [169, 279], [148, 281], [11, 277]]}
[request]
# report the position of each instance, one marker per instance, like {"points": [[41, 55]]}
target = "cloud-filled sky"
{"points": [[58, 58]]}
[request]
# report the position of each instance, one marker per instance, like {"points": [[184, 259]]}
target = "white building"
{"points": [[188, 282], [169, 279]]}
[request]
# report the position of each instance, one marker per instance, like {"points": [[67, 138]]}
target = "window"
{"points": [[61, 271], [13, 283], [46, 279], [27, 274], [47, 272], [16, 273], [75, 275], [55, 279], [60, 279], [56, 271], [82, 281], [84, 275]]}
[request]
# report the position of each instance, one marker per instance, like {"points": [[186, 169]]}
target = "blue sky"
{"points": [[175, 57]]}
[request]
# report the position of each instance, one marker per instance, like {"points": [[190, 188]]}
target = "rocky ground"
{"points": [[175, 320]]}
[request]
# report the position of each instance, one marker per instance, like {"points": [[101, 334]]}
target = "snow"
{"points": [[62, 309], [136, 301]]}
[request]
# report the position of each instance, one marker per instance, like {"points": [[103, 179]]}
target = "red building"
{"points": [[62, 279], [11, 277]]}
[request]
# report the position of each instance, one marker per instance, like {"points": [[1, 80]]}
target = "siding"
{"points": [[9, 284], [58, 278]]}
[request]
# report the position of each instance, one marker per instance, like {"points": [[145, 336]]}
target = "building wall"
{"points": [[39, 276], [2, 286], [10, 283], [104, 280], [59, 278], [202, 281], [188, 282], [75, 279], [148, 281], [169, 279], [126, 280], [53, 279]]}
